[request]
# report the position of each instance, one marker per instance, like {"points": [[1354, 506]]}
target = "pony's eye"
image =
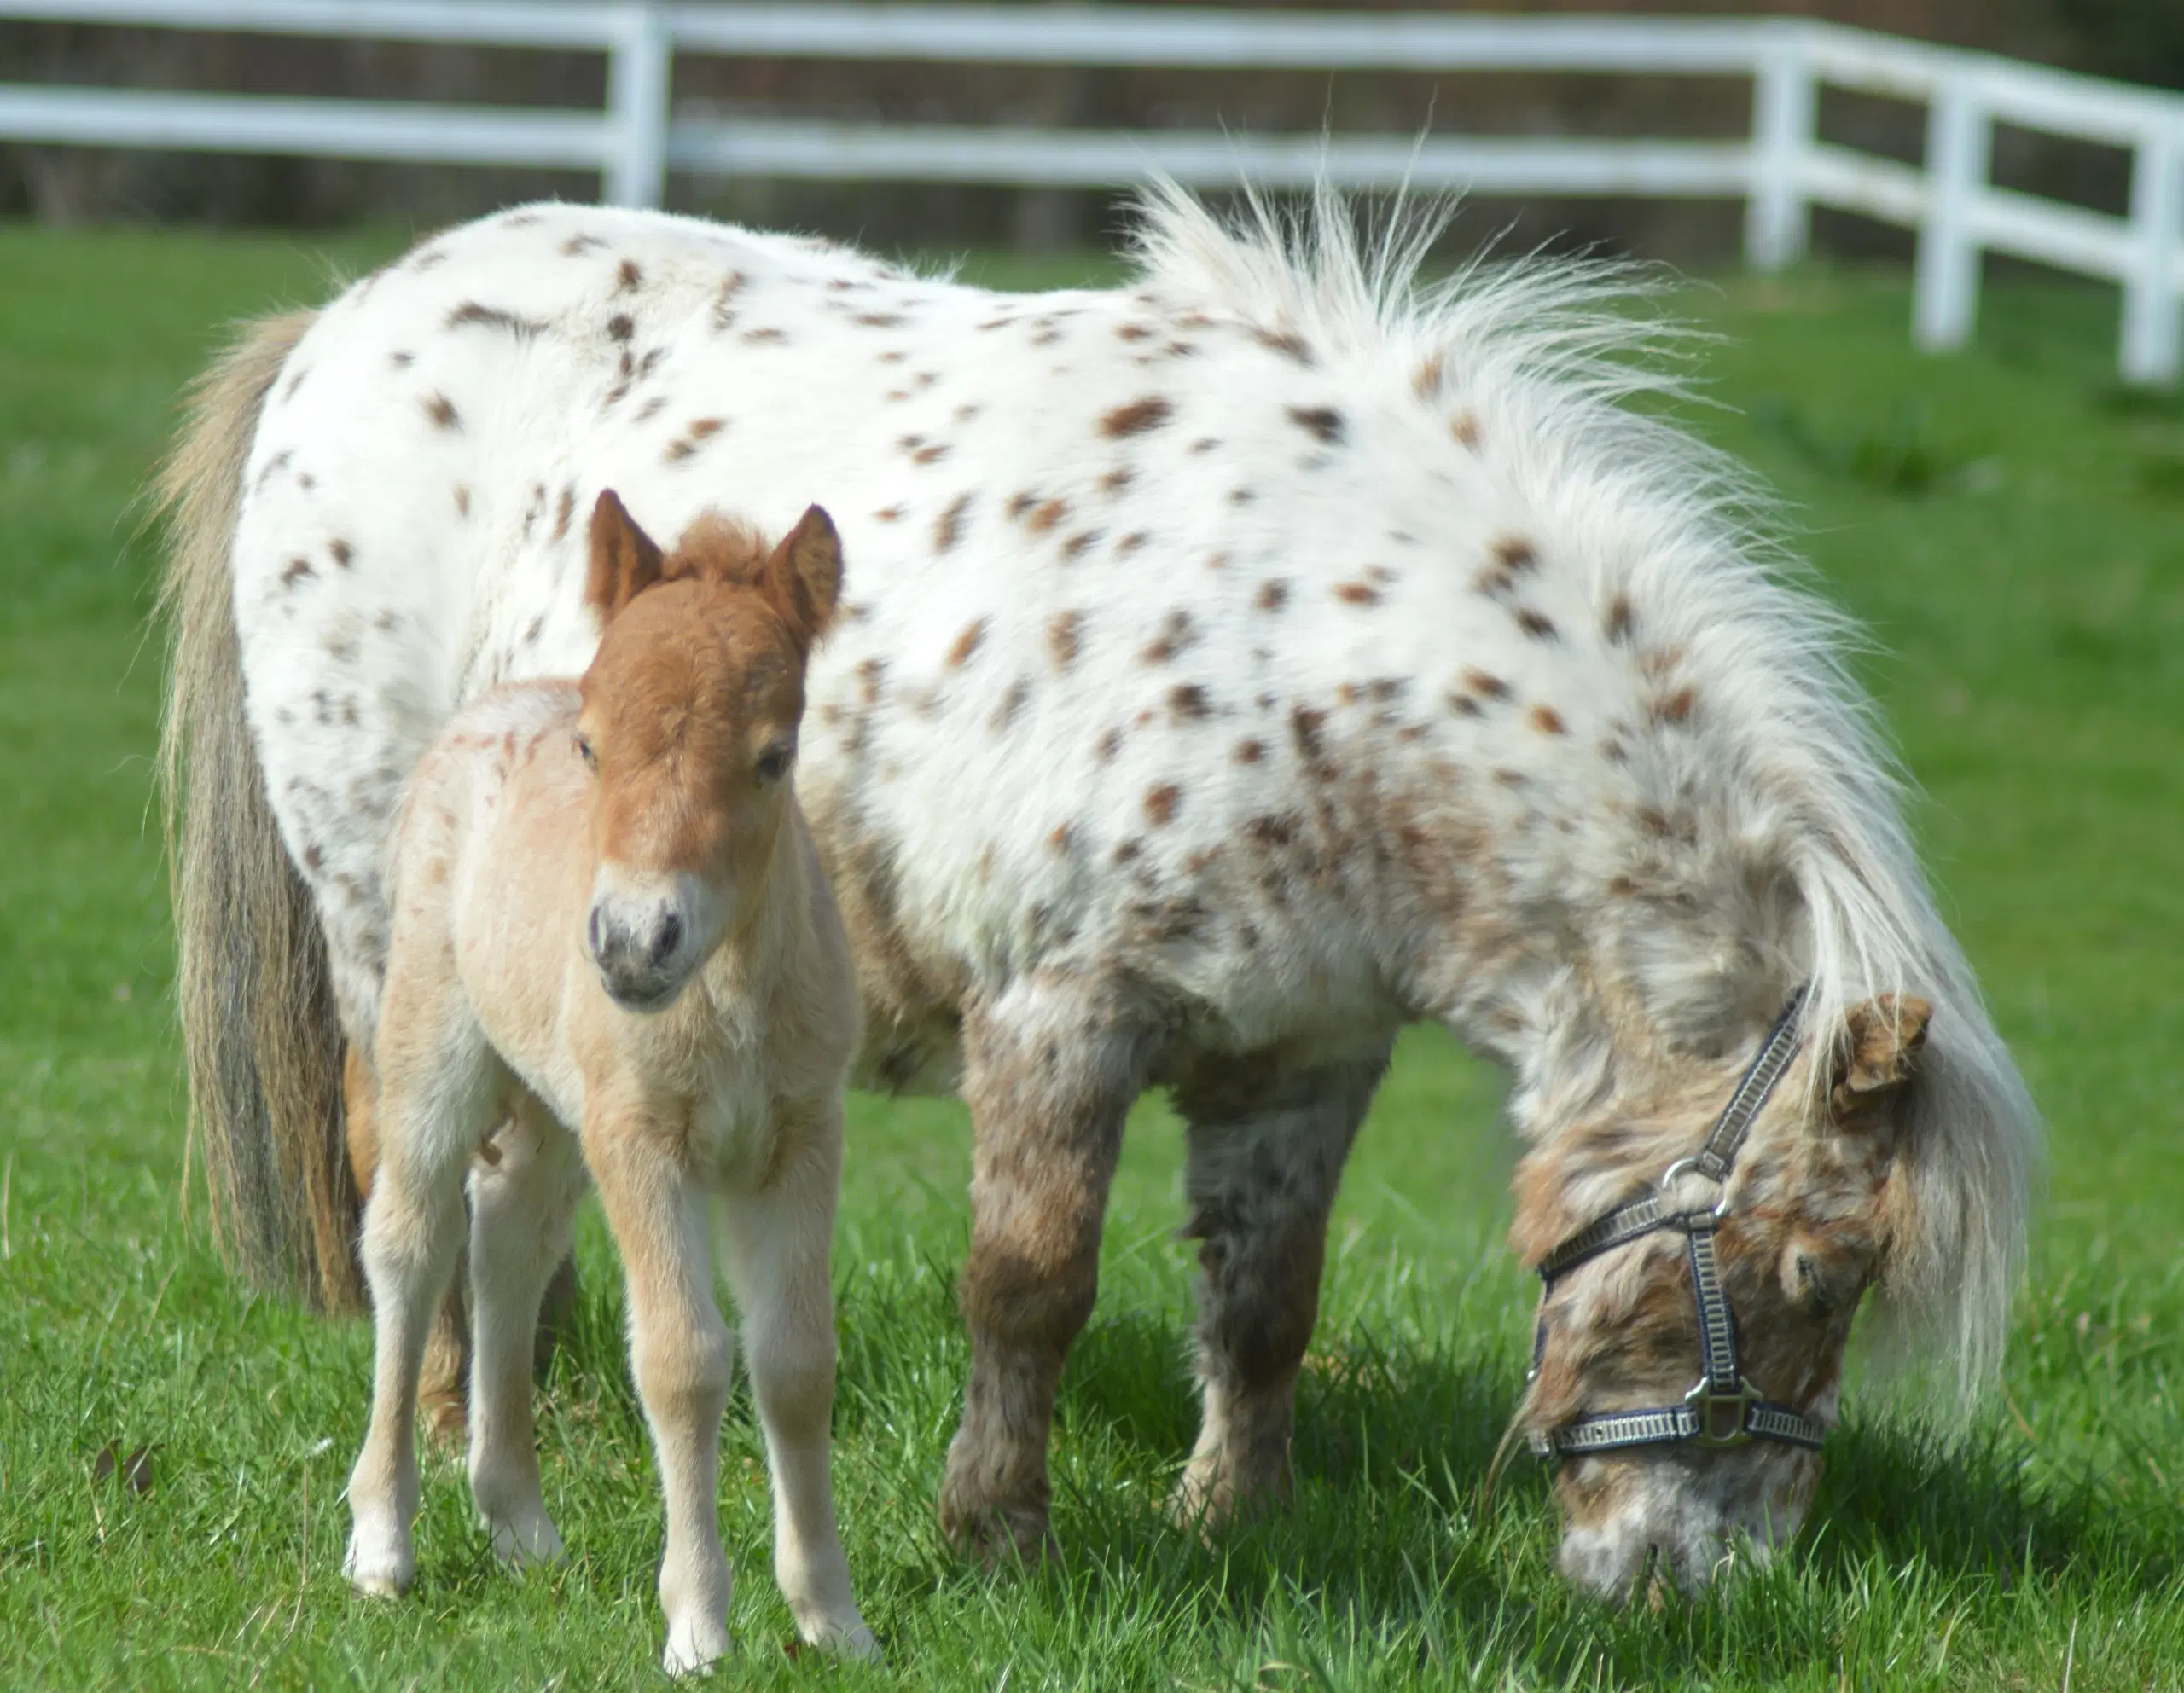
{"points": [[774, 762], [583, 751]]}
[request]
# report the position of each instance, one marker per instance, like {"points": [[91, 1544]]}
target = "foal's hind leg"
{"points": [[1267, 1148], [780, 1241], [1051, 1068], [523, 1196], [436, 1100]]}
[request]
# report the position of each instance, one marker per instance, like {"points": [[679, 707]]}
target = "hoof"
{"points": [[380, 1572], [519, 1546], [692, 1648], [996, 1537], [851, 1640]]}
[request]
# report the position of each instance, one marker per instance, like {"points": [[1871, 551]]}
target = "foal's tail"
{"points": [[262, 1045]]}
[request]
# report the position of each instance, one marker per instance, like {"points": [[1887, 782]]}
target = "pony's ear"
{"points": [[802, 579], [1878, 1051], [625, 560]]}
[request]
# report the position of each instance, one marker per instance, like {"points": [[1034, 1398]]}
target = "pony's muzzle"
{"points": [[641, 948]]}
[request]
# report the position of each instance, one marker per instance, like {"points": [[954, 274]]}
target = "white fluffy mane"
{"points": [[1794, 768]]}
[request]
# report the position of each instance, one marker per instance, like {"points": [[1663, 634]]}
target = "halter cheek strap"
{"points": [[1722, 1409]]}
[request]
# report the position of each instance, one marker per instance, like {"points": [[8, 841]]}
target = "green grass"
{"points": [[2011, 527]]}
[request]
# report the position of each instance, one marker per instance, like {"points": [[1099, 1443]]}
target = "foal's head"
{"points": [[1807, 1217], [688, 725]]}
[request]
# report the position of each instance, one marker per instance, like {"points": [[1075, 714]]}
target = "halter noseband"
{"points": [[1722, 1409]]}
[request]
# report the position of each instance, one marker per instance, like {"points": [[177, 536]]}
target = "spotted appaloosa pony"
{"points": [[1243, 663], [611, 925]]}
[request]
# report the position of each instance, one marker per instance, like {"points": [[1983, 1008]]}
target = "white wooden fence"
{"points": [[1780, 172]]}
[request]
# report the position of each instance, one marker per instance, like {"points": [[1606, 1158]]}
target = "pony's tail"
{"points": [[259, 1033]]}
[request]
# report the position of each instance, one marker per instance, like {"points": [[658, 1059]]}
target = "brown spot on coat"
{"points": [[1324, 423], [1011, 703], [620, 327], [1676, 708], [1049, 513], [1160, 802], [1250, 752], [1176, 634], [1286, 342], [1305, 724], [1137, 417], [441, 410], [1271, 596], [628, 276], [948, 527], [1062, 633], [932, 453], [1621, 623], [471, 315], [1108, 746], [1117, 479], [1074, 547], [889, 514], [1465, 428], [1357, 593], [1058, 840], [462, 499], [1536, 625], [967, 643], [1548, 721], [1427, 381], [295, 570], [1132, 542], [1189, 703], [565, 509], [1487, 687], [342, 552]]}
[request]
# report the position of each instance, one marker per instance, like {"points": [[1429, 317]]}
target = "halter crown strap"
{"points": [[1723, 1408]]}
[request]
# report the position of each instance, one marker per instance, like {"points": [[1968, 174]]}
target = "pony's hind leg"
{"points": [[779, 1245], [1266, 1146], [523, 1196], [1051, 1068], [435, 1102], [682, 1356]]}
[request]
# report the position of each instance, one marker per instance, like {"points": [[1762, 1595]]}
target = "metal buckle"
{"points": [[1712, 1431], [1676, 1170]]}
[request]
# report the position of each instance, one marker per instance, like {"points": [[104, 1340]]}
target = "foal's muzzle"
{"points": [[642, 951]]}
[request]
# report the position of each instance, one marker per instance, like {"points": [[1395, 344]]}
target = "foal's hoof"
{"points": [[851, 1640], [694, 1647], [382, 1572]]}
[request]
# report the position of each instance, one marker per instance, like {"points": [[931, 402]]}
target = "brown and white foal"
{"points": [[614, 949]]}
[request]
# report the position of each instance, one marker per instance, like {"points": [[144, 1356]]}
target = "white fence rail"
{"points": [[1780, 171]]}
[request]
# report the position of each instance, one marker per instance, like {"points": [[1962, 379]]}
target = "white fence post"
{"points": [[638, 69], [2151, 328], [1959, 136], [1778, 217]]}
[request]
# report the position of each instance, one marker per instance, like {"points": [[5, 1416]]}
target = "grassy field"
{"points": [[2010, 526]]}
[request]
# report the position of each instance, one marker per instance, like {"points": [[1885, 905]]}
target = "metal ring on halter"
{"points": [[1676, 1170], [1706, 1403]]}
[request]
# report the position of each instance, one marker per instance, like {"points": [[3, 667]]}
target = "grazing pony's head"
{"points": [[688, 725], [1822, 1202]]}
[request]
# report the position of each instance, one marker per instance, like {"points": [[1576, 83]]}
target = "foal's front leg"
{"points": [[682, 1356], [523, 1196], [778, 1247]]}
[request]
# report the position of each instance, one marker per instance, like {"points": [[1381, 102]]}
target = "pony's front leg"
{"points": [[523, 1196], [778, 1247], [432, 1111], [682, 1356]]}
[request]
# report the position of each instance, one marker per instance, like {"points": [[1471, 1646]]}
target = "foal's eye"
{"points": [[774, 762], [583, 751]]}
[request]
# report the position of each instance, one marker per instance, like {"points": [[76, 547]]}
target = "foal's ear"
{"points": [[625, 560], [802, 579], [1878, 1049]]}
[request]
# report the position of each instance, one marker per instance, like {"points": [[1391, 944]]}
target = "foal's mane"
{"points": [[1546, 352]]}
